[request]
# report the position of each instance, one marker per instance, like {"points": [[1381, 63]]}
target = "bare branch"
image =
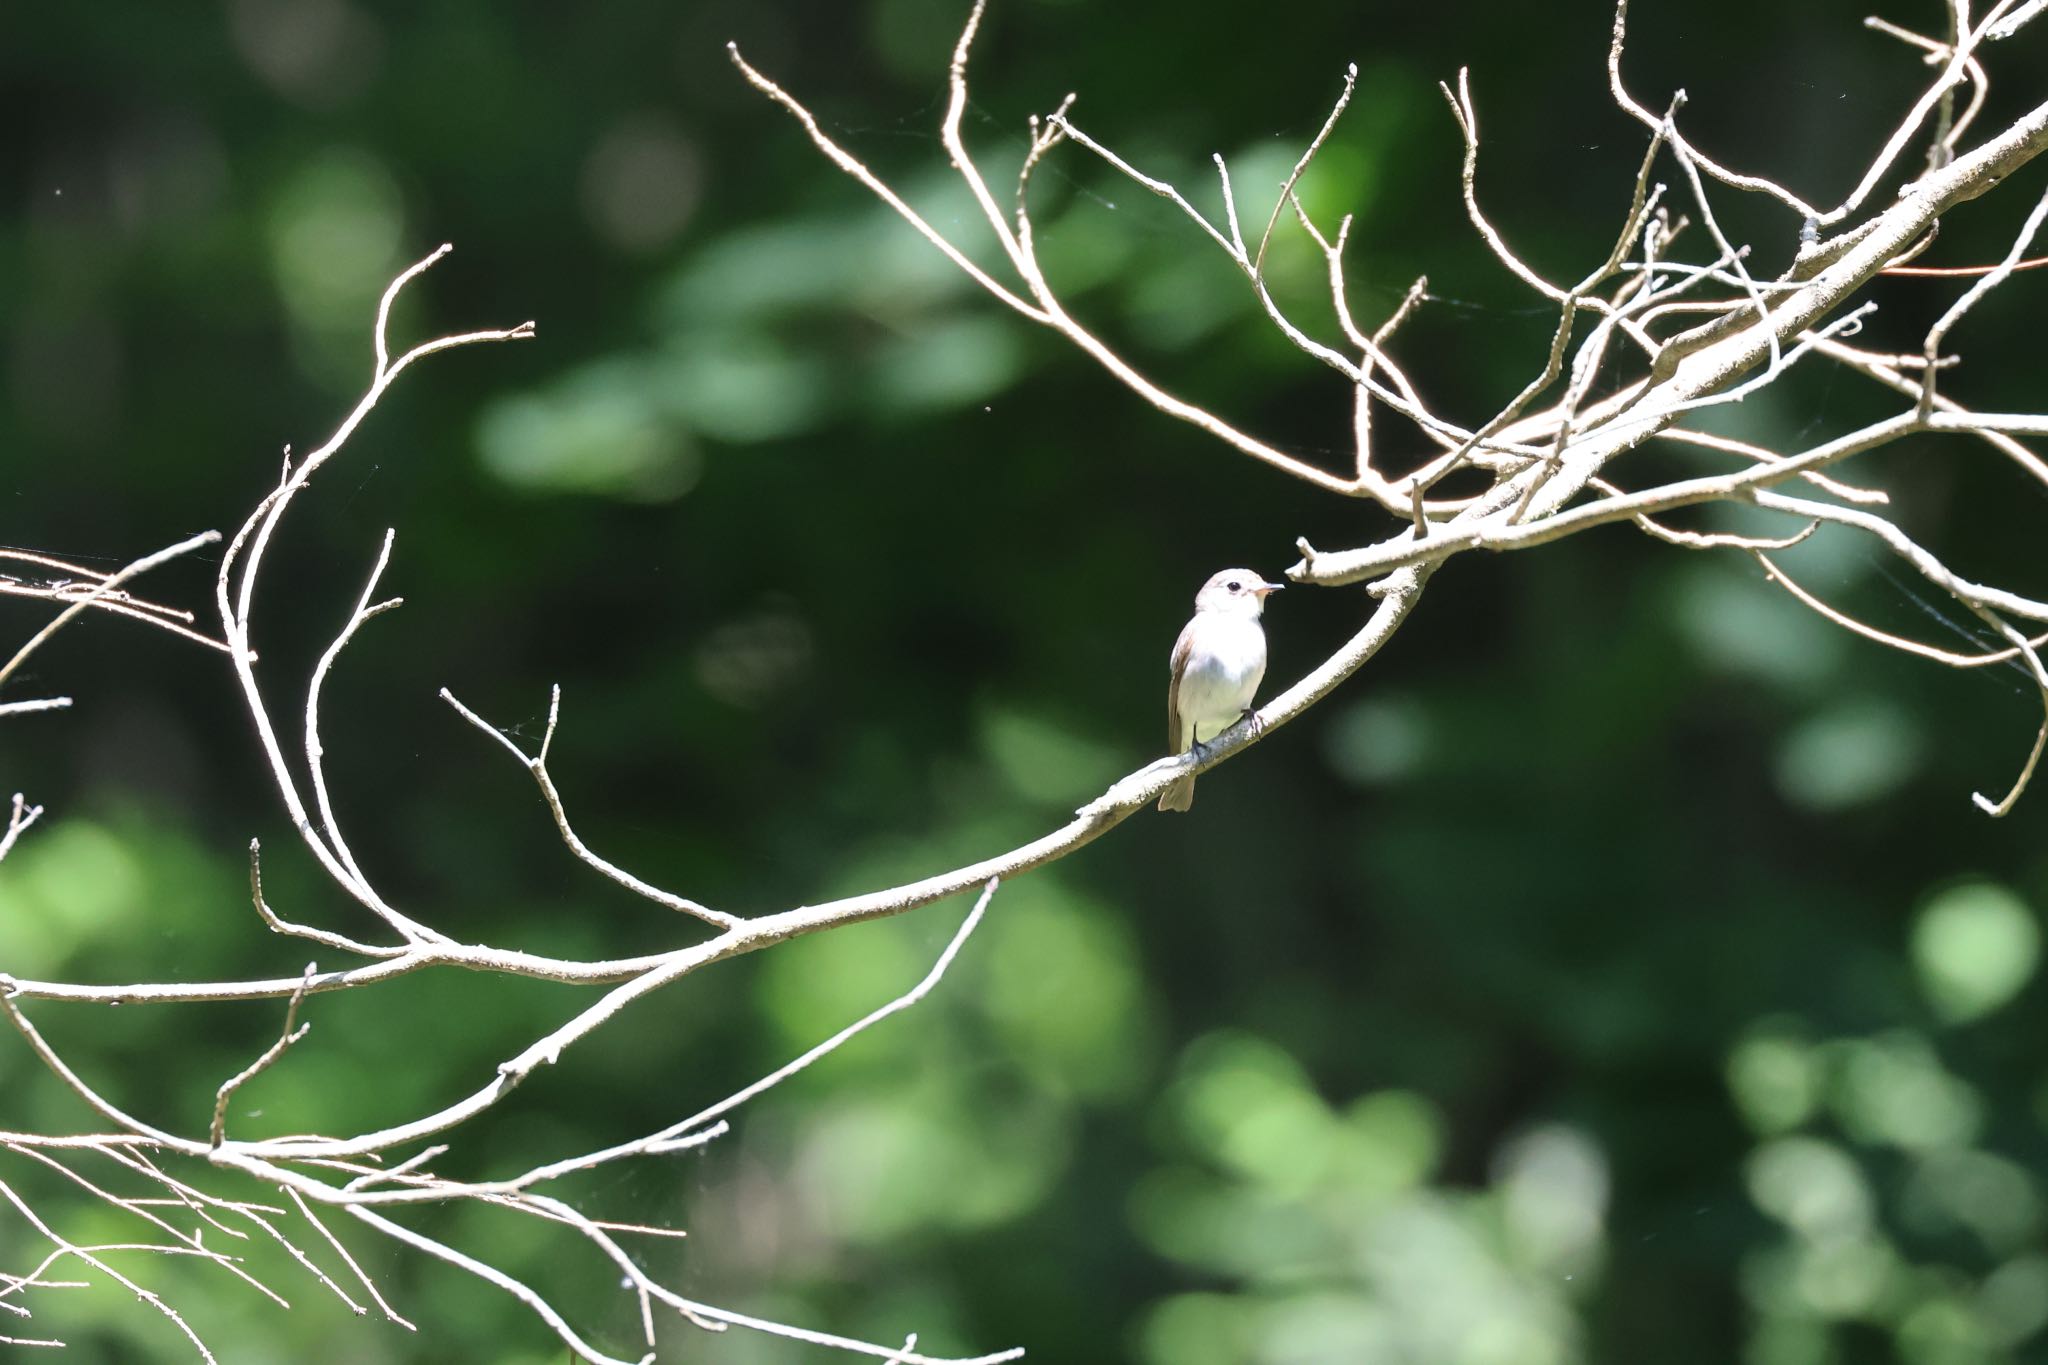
{"points": [[292, 1032], [20, 815], [99, 591], [1936, 334], [680, 1133], [282, 926], [845, 162], [369, 1285], [1611, 386], [1294, 176], [490, 1274], [315, 753], [23, 708], [1777, 574], [538, 766], [240, 569], [1654, 123], [95, 1257]]}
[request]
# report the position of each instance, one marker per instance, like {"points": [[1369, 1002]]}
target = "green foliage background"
{"points": [[1616, 971]]}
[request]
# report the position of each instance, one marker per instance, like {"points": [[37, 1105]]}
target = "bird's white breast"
{"points": [[1226, 660]]}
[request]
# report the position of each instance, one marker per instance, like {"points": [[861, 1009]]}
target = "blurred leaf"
{"points": [[1553, 1184], [1392, 1140], [814, 986], [1234, 1229], [1044, 760], [1811, 1186], [741, 387], [1742, 625], [1199, 1329], [1382, 739], [1977, 1192], [880, 1166], [69, 884], [947, 363], [1062, 985], [1774, 1076], [1893, 1089], [2013, 1302], [1788, 1339], [1847, 755], [1975, 946], [334, 230], [1844, 1277], [592, 432], [1246, 1104], [1944, 1331]]}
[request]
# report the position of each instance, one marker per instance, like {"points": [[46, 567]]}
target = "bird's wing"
{"points": [[1178, 663]]}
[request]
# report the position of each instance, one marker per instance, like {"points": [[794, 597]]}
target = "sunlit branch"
{"points": [[99, 592]]}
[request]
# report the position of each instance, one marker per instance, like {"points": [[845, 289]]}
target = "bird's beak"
{"points": [[1266, 588]]}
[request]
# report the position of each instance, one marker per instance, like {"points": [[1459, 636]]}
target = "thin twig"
{"points": [[100, 590], [1294, 176], [292, 1032]]}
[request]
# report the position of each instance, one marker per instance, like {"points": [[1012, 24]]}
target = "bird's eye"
{"points": [[1235, 585]]}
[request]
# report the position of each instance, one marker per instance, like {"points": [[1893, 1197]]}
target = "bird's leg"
{"points": [[1253, 722]]}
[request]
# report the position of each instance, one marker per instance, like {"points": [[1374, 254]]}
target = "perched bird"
{"points": [[1217, 664]]}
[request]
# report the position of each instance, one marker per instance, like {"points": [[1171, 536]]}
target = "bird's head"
{"points": [[1238, 592]]}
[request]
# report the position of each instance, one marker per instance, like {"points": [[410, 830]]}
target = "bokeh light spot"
{"points": [[641, 182], [1811, 1186], [1974, 946], [595, 432], [334, 231], [1847, 755], [1774, 1076]]}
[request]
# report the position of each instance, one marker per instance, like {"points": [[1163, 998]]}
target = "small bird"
{"points": [[1217, 664]]}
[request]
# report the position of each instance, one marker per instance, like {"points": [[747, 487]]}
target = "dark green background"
{"points": [[1615, 971]]}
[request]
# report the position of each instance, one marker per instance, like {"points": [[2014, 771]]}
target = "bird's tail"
{"points": [[1180, 796]]}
